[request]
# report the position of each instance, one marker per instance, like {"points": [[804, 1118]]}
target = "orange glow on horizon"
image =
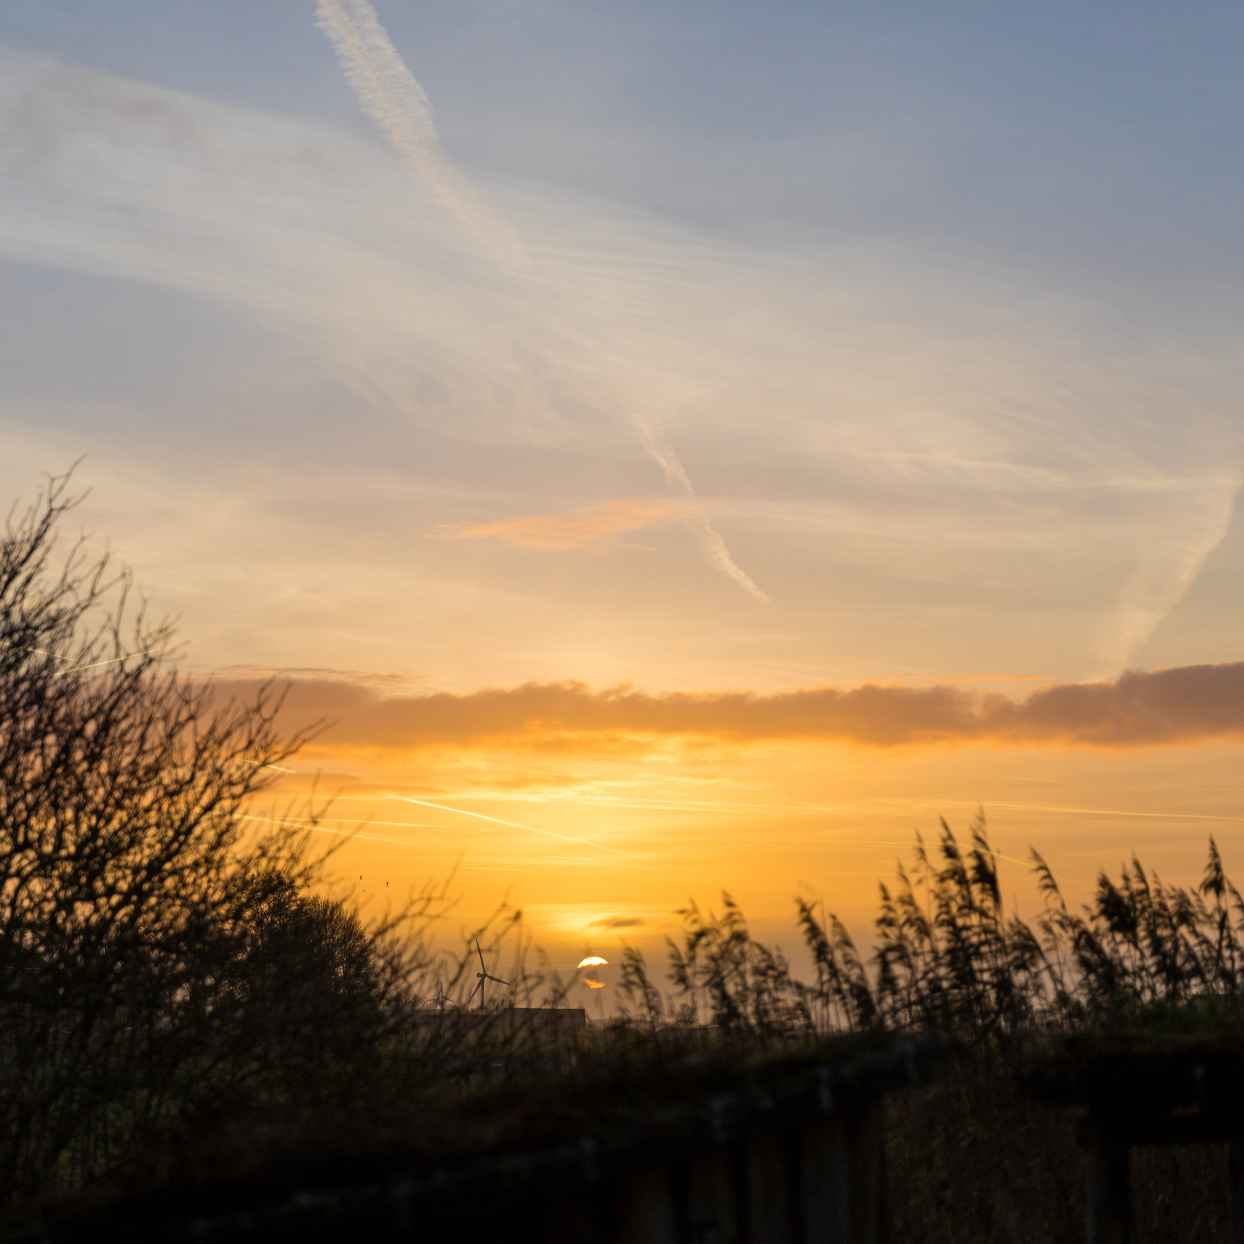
{"points": [[764, 821]]}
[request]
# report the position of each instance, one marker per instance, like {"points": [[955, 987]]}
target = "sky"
{"points": [[678, 447]]}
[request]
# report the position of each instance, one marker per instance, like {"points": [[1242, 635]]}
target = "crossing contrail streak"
{"points": [[1067, 809], [368, 820], [443, 807], [391, 96], [496, 820], [90, 665], [1149, 816], [887, 842], [94, 665], [352, 834]]}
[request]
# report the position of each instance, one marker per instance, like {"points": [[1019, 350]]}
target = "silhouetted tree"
{"points": [[303, 993], [122, 850]]}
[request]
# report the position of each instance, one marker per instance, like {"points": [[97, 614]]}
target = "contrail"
{"points": [[91, 665], [883, 842], [442, 807], [496, 820], [391, 96], [94, 665], [1149, 816], [714, 546], [361, 820], [357, 836], [886, 842], [352, 834], [1164, 576], [719, 555]]}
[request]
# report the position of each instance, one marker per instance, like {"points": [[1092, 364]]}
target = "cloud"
{"points": [[1183, 705], [574, 529], [893, 431], [1165, 568], [618, 922], [391, 96], [382, 683], [715, 548]]}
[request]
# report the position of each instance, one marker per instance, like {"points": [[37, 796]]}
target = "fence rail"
{"points": [[1144, 1091], [792, 1154]]}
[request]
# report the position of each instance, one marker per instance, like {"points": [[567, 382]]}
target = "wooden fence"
{"points": [[791, 1153], [1143, 1091]]}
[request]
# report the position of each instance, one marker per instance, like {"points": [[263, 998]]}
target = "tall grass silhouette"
{"points": [[948, 958], [178, 995]]}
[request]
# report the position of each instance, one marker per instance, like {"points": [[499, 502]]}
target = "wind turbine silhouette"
{"points": [[481, 976]]}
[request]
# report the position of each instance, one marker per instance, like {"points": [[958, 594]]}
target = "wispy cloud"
{"points": [[395, 101], [878, 492]]}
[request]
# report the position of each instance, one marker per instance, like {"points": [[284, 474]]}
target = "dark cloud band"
{"points": [[1187, 704]]}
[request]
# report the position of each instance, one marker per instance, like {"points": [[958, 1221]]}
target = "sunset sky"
{"points": [[681, 447]]}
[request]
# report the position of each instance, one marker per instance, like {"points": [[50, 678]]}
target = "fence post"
{"points": [[1235, 1185], [867, 1190], [647, 1206], [713, 1204], [821, 1153], [772, 1212], [1108, 1185]]}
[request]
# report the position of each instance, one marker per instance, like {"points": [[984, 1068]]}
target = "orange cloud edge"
{"points": [[574, 529], [1186, 704]]}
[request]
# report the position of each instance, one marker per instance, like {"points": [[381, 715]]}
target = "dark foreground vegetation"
{"points": [[177, 1007]]}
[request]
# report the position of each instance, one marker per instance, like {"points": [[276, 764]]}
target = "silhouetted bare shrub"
{"points": [[122, 852]]}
